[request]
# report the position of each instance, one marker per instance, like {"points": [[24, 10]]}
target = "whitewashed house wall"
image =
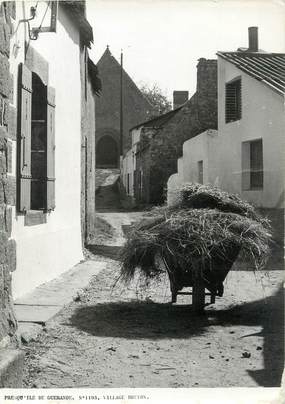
{"points": [[48, 249], [129, 163], [263, 117]]}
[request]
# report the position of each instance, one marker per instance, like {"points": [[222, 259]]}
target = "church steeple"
{"points": [[107, 51]]}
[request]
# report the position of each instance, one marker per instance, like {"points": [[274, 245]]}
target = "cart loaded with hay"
{"points": [[196, 242]]}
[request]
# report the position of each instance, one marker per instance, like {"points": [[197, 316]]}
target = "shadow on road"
{"points": [[144, 320], [269, 314], [136, 320]]}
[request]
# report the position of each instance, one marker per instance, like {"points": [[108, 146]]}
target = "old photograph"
{"points": [[141, 195]]}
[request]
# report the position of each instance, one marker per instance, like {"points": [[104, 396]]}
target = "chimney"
{"points": [[253, 39], [179, 98]]}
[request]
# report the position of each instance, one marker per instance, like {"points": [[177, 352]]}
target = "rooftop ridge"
{"points": [[268, 68]]}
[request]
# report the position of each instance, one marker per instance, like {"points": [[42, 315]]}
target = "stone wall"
{"points": [[87, 151], [8, 125], [158, 160]]}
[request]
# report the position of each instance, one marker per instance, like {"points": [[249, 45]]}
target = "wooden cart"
{"points": [[204, 281]]}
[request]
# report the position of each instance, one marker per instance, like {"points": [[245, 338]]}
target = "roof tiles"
{"points": [[266, 67]]}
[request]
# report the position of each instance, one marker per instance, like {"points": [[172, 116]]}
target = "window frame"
{"points": [[233, 113], [24, 148], [248, 168]]}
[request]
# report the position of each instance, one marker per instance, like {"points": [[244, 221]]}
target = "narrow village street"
{"points": [[141, 200], [117, 336]]}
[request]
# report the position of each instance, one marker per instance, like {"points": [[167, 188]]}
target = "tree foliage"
{"points": [[155, 96]]}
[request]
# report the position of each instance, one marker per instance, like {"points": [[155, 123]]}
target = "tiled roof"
{"points": [[268, 68]]}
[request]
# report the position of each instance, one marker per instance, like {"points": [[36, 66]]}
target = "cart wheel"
{"points": [[198, 294]]}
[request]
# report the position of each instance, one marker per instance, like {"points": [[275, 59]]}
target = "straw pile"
{"points": [[205, 231]]}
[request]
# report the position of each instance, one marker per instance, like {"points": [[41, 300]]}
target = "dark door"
{"points": [[107, 153]]}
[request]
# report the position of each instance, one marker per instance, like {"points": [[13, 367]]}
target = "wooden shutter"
{"points": [[233, 101], [25, 108], [50, 148]]}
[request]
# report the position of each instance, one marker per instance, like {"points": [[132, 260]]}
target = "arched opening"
{"points": [[107, 153]]}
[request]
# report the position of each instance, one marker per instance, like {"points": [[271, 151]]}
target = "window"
{"points": [[200, 172], [252, 165], [233, 100], [36, 147]]}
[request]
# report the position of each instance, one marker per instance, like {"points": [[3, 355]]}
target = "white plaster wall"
{"points": [[129, 161], [136, 134], [128, 168], [44, 251], [202, 147], [173, 184], [262, 117]]}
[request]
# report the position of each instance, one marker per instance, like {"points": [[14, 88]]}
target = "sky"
{"points": [[162, 40]]}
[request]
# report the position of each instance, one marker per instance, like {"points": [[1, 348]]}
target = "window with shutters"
{"points": [[36, 144], [252, 165], [233, 100]]}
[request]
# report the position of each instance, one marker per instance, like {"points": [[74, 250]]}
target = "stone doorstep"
{"points": [[36, 308]]}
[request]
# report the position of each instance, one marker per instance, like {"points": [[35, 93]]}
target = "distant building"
{"points": [[136, 108], [147, 163], [246, 155], [157, 143]]}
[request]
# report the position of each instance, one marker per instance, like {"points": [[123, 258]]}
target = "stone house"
{"points": [[47, 150], [136, 108], [138, 163], [246, 154], [157, 143]]}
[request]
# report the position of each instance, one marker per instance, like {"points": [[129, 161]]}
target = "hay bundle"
{"points": [[198, 196], [192, 237]]}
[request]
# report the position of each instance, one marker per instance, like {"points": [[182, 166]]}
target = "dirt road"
{"points": [[123, 337]]}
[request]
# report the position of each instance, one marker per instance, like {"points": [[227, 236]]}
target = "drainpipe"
{"points": [[121, 111]]}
